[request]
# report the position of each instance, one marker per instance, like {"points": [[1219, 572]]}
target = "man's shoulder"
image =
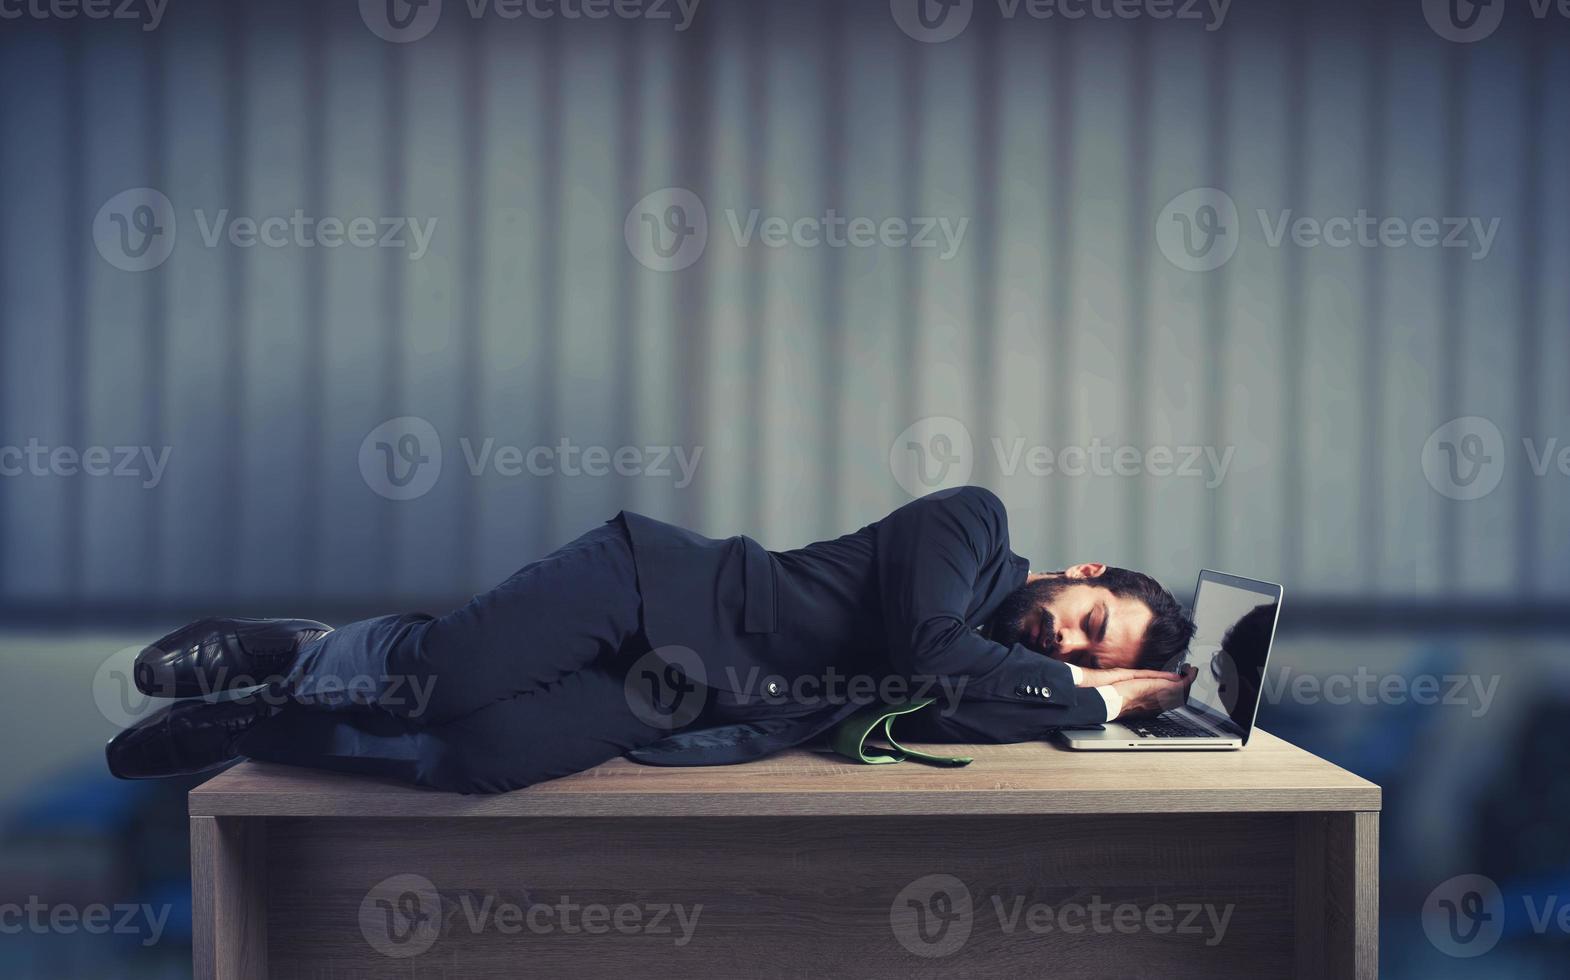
{"points": [[971, 510], [971, 498]]}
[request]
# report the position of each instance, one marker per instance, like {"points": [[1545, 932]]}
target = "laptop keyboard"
{"points": [[1170, 728]]}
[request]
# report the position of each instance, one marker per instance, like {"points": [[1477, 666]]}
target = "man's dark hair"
{"points": [[1170, 630]]}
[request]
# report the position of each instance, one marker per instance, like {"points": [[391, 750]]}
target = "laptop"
{"points": [[1235, 625]]}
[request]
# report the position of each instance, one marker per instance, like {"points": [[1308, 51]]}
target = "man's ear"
{"points": [[1093, 569]]}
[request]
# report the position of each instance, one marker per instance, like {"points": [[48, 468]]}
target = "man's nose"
{"points": [[1072, 640]]}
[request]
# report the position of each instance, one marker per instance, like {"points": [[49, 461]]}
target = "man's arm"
{"points": [[930, 554], [1123, 693]]}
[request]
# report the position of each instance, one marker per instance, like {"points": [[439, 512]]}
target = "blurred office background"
{"points": [[285, 405]]}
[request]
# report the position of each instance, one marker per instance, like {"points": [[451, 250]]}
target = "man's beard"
{"points": [[1022, 610]]}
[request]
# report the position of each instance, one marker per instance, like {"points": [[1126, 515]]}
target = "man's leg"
{"points": [[573, 724], [551, 618]]}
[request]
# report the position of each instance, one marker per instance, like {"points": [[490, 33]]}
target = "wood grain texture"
{"points": [[1352, 895], [786, 897], [229, 896], [1269, 775]]}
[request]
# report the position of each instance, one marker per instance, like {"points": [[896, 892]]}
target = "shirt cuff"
{"points": [[1076, 673], [1113, 699]]}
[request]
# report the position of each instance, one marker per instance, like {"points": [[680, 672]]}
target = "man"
{"points": [[644, 639]]}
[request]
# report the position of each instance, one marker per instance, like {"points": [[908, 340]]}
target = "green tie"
{"points": [[849, 737]]}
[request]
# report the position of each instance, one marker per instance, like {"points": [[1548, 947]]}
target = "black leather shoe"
{"points": [[186, 737], [212, 655]]}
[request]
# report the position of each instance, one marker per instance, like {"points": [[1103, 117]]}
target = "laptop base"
{"points": [[1115, 736]]}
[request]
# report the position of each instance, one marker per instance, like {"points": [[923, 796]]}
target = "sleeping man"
{"points": [[643, 639]]}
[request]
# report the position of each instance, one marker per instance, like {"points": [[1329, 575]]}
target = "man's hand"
{"points": [[1093, 677], [1151, 695]]}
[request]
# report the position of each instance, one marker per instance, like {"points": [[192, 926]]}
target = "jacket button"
{"points": [[774, 687], [1046, 693]]}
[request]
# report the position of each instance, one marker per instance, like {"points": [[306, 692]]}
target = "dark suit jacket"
{"points": [[896, 605]]}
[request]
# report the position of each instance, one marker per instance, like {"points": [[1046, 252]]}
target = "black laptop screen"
{"points": [[1234, 625]]}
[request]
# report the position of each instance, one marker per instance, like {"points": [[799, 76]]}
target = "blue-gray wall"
{"points": [[1059, 321]]}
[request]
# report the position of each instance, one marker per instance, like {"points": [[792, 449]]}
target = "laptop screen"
{"points": [[1234, 619]]}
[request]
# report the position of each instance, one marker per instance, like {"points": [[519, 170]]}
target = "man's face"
{"points": [[1069, 617]]}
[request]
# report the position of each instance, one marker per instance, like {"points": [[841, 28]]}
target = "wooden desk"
{"points": [[1261, 864]]}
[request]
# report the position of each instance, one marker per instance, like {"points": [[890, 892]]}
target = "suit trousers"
{"points": [[524, 683]]}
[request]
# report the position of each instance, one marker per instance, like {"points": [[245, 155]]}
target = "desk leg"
{"points": [[1337, 895], [229, 898]]}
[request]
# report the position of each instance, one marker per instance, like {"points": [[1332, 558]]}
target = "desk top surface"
{"points": [[1028, 778]]}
